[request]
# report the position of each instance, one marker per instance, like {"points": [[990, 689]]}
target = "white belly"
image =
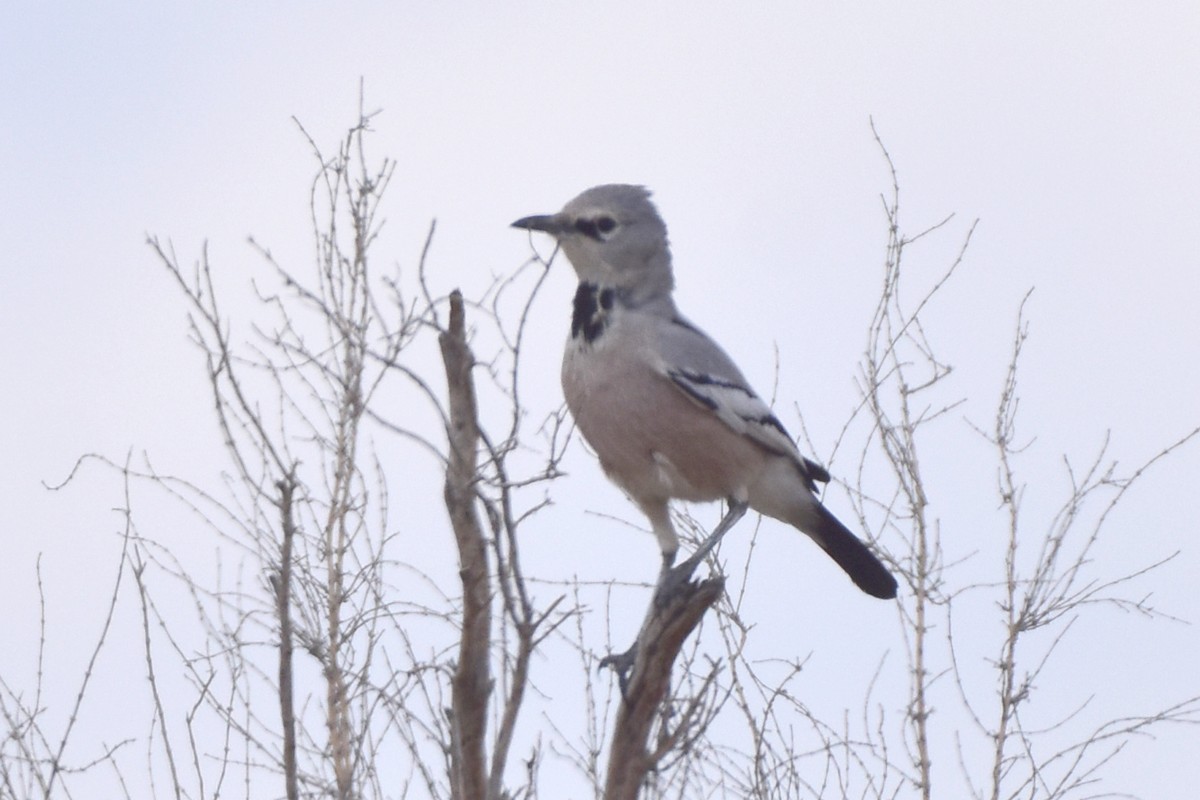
{"points": [[650, 438]]}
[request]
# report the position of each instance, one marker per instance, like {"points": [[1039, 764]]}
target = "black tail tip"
{"points": [[854, 557], [881, 585]]}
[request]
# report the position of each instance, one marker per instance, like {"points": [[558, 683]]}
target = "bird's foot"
{"points": [[671, 582], [672, 579], [622, 664]]}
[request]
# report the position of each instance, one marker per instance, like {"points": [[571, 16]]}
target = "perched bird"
{"points": [[666, 410]]}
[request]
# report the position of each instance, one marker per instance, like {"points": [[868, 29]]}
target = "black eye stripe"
{"points": [[596, 228], [587, 228]]}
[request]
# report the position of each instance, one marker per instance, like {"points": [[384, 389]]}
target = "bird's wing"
{"points": [[698, 367]]}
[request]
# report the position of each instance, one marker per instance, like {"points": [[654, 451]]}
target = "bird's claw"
{"points": [[672, 579], [622, 664]]}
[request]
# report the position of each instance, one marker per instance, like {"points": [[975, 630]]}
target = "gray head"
{"points": [[613, 236]]}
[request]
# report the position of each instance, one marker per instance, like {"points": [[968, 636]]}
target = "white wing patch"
{"points": [[742, 410], [738, 407]]}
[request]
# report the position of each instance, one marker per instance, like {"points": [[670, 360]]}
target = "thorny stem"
{"points": [[896, 345], [1011, 500], [898, 441], [283, 592]]}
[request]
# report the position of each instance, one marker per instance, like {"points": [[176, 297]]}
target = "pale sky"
{"points": [[1070, 130]]}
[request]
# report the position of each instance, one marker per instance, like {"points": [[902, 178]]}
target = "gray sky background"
{"points": [[1070, 130]]}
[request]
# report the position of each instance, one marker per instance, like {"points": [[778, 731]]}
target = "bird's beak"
{"points": [[553, 224]]}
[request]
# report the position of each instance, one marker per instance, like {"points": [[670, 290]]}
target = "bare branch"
{"points": [[472, 682], [658, 644]]}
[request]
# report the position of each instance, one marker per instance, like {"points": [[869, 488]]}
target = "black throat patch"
{"points": [[590, 315]]}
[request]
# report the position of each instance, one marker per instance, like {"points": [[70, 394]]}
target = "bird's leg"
{"points": [[622, 663], [668, 558], [669, 582], [674, 577]]}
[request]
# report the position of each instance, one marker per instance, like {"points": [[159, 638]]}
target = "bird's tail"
{"points": [[867, 572], [777, 493]]}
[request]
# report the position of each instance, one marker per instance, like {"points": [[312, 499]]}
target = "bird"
{"points": [[665, 409]]}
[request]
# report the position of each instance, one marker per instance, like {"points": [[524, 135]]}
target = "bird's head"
{"points": [[613, 236]]}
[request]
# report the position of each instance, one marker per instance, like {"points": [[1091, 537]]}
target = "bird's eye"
{"points": [[597, 228]]}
